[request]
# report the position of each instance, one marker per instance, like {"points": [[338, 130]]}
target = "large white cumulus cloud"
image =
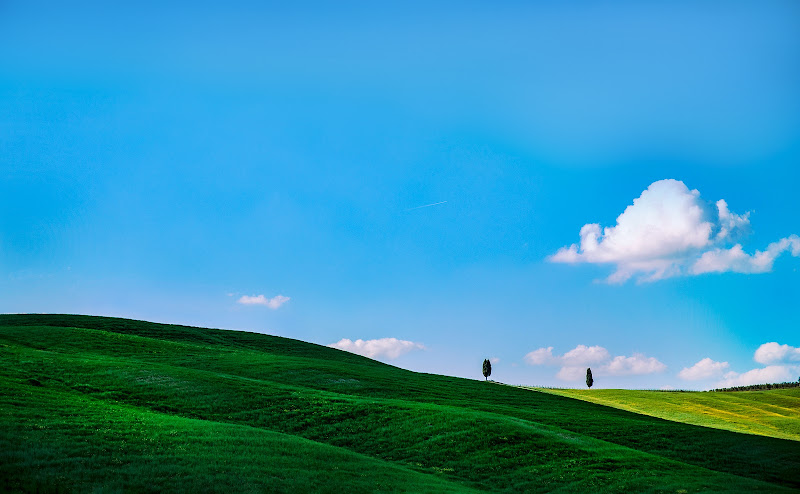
{"points": [[669, 230]]}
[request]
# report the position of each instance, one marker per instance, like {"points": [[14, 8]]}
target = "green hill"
{"points": [[103, 404], [774, 413]]}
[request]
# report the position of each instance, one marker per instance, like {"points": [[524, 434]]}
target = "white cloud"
{"points": [[781, 365], [584, 355], [773, 353], [541, 356], [494, 360], [668, 231], [736, 260], [580, 355], [730, 224], [272, 303], [574, 362], [390, 348], [703, 369], [765, 375], [636, 365], [571, 373]]}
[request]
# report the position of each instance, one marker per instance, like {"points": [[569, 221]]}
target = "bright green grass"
{"points": [[94, 445], [107, 404], [774, 413]]}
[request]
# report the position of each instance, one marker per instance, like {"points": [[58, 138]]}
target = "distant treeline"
{"points": [[759, 387]]}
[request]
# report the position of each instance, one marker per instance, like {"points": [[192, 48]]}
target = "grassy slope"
{"points": [[92, 443], [97, 402], [774, 413]]}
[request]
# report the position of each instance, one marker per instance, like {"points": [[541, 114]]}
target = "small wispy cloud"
{"points": [[426, 205], [389, 348], [273, 303], [670, 231]]}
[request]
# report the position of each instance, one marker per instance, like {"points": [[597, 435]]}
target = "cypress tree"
{"points": [[487, 369], [589, 380]]}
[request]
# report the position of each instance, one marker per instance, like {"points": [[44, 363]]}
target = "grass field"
{"points": [[775, 413], [102, 404]]}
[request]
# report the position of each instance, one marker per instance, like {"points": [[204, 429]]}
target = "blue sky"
{"points": [[172, 163]]}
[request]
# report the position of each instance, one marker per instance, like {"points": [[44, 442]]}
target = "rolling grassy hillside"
{"points": [[92, 403], [774, 413]]}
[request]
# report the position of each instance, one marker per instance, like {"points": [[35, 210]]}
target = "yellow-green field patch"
{"points": [[774, 413]]}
